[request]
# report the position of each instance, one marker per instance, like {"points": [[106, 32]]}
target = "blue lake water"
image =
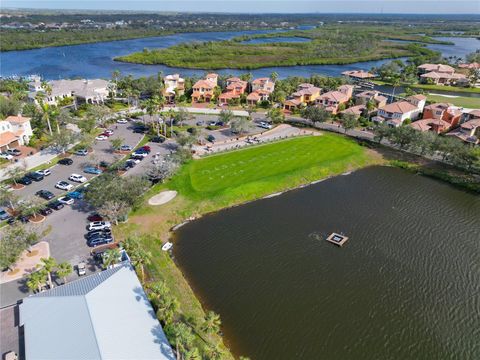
{"points": [[96, 60]]}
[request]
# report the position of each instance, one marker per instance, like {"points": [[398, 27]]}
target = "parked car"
{"points": [[139, 154], [220, 123], [99, 241], [14, 152], [145, 148], [67, 200], [65, 161], [77, 178], [99, 225], [265, 125], [63, 185], [200, 123], [130, 163], [35, 176], [5, 155], [211, 138], [4, 215], [25, 181], [122, 121], [81, 269], [125, 148], [135, 159], [55, 205], [96, 233], [101, 137], [140, 129], [94, 217], [22, 218], [46, 211], [92, 170], [45, 194], [45, 172], [81, 152], [76, 195], [104, 164], [212, 123], [157, 139]]}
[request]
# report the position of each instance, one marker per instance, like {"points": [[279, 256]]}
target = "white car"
{"points": [[67, 200], [265, 125], [4, 155], [63, 185], [45, 172], [77, 178], [122, 121], [81, 268], [101, 137], [125, 148], [99, 225]]}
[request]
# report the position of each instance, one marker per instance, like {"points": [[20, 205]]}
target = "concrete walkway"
{"points": [[207, 111]]}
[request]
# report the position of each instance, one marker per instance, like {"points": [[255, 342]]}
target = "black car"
{"points": [[22, 218], [55, 205], [66, 161], [35, 176], [139, 129], [46, 211], [25, 181], [104, 164], [45, 194], [99, 241], [99, 233], [157, 139]]}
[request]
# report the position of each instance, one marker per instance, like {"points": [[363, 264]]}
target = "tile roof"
{"points": [[400, 107], [17, 119], [359, 74], [437, 67], [426, 124], [336, 96], [204, 83], [7, 138]]}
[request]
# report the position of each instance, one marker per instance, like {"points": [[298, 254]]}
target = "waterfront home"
{"points": [[443, 111], [444, 79], [234, 89], [94, 91], [332, 100], [474, 65], [15, 131], [261, 91], [438, 68], [396, 113], [371, 96], [102, 316], [306, 94], [468, 131], [356, 110], [358, 75], [203, 90], [470, 114], [264, 83], [435, 125], [174, 85]]}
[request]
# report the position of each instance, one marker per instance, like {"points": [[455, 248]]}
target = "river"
{"points": [[96, 60], [405, 286]]}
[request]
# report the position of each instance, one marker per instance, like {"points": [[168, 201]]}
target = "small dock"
{"points": [[337, 239]]}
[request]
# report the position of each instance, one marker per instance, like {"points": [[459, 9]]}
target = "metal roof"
{"points": [[102, 316]]}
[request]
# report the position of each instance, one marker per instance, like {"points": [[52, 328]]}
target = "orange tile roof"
{"points": [[400, 107], [204, 83], [17, 119], [7, 138], [336, 96], [426, 124]]}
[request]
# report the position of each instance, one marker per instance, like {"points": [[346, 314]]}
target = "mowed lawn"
{"points": [[268, 168]]}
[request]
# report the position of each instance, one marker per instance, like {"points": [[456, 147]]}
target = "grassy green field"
{"points": [[463, 101], [261, 170]]}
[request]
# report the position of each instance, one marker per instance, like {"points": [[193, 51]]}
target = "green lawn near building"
{"points": [[463, 101], [264, 169]]}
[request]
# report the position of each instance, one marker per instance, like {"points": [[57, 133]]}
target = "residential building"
{"points": [[174, 85], [306, 94], [396, 113], [435, 125], [438, 68], [235, 88], [444, 79], [356, 110], [332, 100], [468, 131], [358, 75], [443, 111], [103, 316], [474, 65], [15, 131], [94, 91], [371, 95], [203, 90], [261, 91]]}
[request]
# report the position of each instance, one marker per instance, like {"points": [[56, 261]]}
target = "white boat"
{"points": [[167, 246]]}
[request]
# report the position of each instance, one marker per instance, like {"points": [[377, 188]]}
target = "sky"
{"points": [[262, 6]]}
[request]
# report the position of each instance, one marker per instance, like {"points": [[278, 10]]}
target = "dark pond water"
{"points": [[292, 39], [405, 286], [96, 60]]}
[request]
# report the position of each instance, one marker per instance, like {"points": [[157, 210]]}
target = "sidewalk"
{"points": [[194, 110], [32, 161]]}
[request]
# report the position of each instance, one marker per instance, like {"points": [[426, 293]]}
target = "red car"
{"points": [[94, 217], [146, 148], [106, 134]]}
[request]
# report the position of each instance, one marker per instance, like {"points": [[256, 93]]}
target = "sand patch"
{"points": [[162, 198]]}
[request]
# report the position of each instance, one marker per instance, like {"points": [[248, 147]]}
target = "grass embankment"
{"points": [[336, 45], [228, 179], [463, 101]]}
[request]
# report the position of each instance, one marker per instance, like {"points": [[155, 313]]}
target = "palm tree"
{"points": [[115, 76], [192, 354], [16, 172], [36, 280], [274, 76], [141, 258], [63, 270], [46, 115], [211, 323], [111, 257], [214, 352], [8, 197], [395, 82], [183, 338], [49, 265], [167, 308]]}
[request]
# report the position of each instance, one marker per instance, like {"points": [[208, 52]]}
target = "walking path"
{"points": [[207, 111]]}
